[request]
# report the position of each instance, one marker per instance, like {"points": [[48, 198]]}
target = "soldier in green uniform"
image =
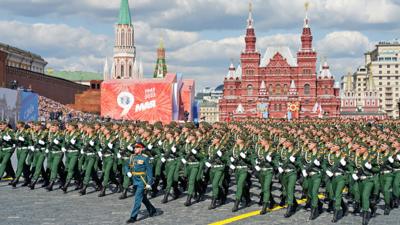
{"points": [[385, 160], [125, 151], [107, 153], [23, 143], [240, 164], [73, 146], [39, 137], [157, 143], [56, 148], [7, 147], [170, 158]]}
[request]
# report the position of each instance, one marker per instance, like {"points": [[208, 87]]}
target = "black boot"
{"points": [[335, 216], [314, 213], [26, 183], [32, 185], [386, 210], [102, 192], [308, 204], [124, 194], [289, 211], [65, 187], [396, 202], [365, 218], [236, 206], [356, 208], [264, 209], [188, 200], [282, 202], [165, 199], [344, 208], [83, 190], [14, 183], [330, 206], [132, 220], [260, 202], [213, 204], [50, 187]]}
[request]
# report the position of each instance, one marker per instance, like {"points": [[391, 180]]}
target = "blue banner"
{"points": [[28, 106]]}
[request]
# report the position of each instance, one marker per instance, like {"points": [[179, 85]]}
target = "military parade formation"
{"points": [[337, 163]]}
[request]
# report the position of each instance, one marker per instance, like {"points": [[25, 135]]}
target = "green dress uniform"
{"points": [[354, 185], [217, 160], [107, 153], [56, 153], [23, 143], [364, 173], [125, 151], [39, 144], [73, 146], [386, 178], [91, 147], [7, 147], [170, 158], [240, 163], [191, 158], [263, 162], [396, 180]]}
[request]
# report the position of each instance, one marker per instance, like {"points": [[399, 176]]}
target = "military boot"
{"points": [[213, 204], [188, 201], [124, 194], [236, 206], [83, 190], [102, 192], [264, 209]]}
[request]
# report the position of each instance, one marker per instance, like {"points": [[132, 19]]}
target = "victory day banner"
{"points": [[137, 100]]}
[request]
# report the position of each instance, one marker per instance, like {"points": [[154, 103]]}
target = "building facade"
{"points": [[209, 112], [278, 85], [125, 65]]}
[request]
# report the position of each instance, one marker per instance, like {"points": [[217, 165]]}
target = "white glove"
{"points": [[194, 151], [21, 138], [304, 173], [317, 163], [63, 149], [148, 187], [129, 174], [257, 162], [219, 153], [110, 145], [368, 165], [150, 146], [91, 143], [119, 156], [130, 148], [56, 142], [82, 152], [292, 159], [329, 173], [163, 160], [47, 151], [159, 143], [173, 149], [280, 170], [7, 138], [391, 160], [232, 159], [41, 142], [232, 167], [398, 157], [73, 141], [343, 162], [268, 158], [208, 164], [183, 161], [31, 148], [257, 168], [243, 155], [100, 154], [355, 177]]}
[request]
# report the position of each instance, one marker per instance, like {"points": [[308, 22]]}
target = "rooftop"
{"points": [[11, 49], [75, 75], [283, 50]]}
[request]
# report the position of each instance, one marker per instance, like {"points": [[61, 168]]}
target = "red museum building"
{"points": [[279, 85]]}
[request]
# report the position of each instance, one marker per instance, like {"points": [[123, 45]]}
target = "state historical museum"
{"points": [[279, 85]]}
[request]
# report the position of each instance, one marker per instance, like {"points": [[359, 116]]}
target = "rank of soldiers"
{"points": [[347, 161]]}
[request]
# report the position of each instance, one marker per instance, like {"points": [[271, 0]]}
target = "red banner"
{"points": [[135, 100]]}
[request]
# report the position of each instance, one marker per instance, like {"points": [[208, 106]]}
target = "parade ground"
{"points": [[23, 206]]}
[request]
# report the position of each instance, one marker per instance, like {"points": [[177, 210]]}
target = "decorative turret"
{"points": [[106, 71], [231, 72], [263, 89], [306, 36], [250, 33], [161, 65], [325, 72], [292, 89]]}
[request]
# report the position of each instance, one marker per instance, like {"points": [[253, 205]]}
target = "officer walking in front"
{"points": [[139, 169]]}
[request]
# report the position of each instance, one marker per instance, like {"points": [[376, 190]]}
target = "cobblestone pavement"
{"points": [[23, 206]]}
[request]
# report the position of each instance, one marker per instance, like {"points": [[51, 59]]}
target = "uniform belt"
{"points": [[265, 169], [396, 169], [72, 151], [89, 154], [241, 167], [6, 149], [386, 172], [193, 163], [23, 148], [288, 170], [365, 177], [313, 173], [107, 155], [55, 152], [217, 166], [138, 173], [126, 158], [170, 159], [338, 174]]}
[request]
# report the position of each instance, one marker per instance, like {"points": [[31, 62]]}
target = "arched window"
{"points": [[271, 89], [306, 89], [278, 89], [130, 71], [250, 90], [122, 71], [285, 89], [123, 38]]}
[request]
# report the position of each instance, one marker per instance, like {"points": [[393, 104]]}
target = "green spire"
{"points": [[124, 13]]}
